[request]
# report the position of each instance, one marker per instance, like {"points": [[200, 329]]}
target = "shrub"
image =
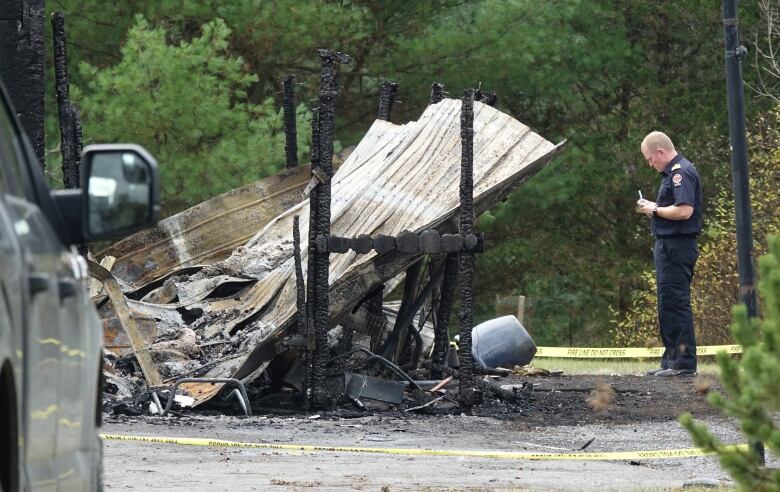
{"points": [[752, 385]]}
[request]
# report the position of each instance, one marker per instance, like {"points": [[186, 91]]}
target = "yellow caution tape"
{"points": [[620, 455], [625, 352], [45, 413], [49, 341]]}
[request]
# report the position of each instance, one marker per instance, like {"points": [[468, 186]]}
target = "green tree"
{"points": [[188, 104], [569, 239], [751, 384], [279, 37], [601, 73]]}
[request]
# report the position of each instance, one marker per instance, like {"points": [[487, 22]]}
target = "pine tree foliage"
{"points": [[752, 385], [569, 239], [188, 104]]}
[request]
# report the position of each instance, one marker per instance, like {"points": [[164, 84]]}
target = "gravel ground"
{"points": [[641, 415]]}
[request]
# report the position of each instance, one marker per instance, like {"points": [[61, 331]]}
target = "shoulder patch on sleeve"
{"points": [[676, 167], [677, 179]]}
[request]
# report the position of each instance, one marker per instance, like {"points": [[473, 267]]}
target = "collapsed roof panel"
{"points": [[209, 231], [399, 178]]}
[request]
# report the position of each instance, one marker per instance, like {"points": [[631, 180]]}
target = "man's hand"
{"points": [[645, 207]]}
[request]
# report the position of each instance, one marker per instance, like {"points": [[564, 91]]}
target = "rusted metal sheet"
{"points": [[115, 338]]}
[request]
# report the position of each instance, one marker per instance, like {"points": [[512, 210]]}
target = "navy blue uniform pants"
{"points": [[675, 258]]}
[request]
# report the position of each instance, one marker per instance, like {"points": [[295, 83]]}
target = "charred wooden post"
{"points": [[488, 98], [22, 65], [468, 390], [345, 344], [437, 92], [300, 288], [301, 320], [425, 297], [441, 338], [315, 159], [411, 304], [70, 124], [386, 99], [393, 346], [312, 256], [326, 121], [376, 319], [290, 131]]}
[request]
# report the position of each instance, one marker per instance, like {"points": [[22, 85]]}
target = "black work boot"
{"points": [[667, 373]]}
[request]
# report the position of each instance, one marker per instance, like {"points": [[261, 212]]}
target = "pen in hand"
{"points": [[640, 203]]}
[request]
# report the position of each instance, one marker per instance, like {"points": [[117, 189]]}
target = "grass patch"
{"points": [[614, 367]]}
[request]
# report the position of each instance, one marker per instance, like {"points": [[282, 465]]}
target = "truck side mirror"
{"points": [[121, 190]]}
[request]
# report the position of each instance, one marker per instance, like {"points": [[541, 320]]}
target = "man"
{"points": [[676, 219]]}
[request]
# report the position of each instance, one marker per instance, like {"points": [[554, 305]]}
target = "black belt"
{"points": [[677, 236]]}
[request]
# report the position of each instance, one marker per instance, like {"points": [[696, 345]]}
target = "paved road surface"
{"points": [[134, 465]]}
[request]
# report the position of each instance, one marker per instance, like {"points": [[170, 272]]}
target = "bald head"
{"points": [[658, 150], [657, 140]]}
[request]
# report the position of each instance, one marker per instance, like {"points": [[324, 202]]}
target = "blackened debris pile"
{"points": [[297, 315]]}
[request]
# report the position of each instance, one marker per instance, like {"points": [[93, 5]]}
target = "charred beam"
{"points": [[406, 321], [488, 98], [312, 257], [376, 319], [290, 130], [468, 391], [437, 92], [303, 326], [325, 129], [392, 346], [429, 241], [313, 200], [441, 336], [22, 65], [70, 124], [386, 99], [300, 288]]}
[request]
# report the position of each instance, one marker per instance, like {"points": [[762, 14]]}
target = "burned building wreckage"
{"points": [[241, 304]]}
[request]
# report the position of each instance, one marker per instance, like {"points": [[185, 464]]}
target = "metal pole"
{"points": [[735, 53]]}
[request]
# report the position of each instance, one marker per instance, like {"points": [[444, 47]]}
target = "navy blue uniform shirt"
{"points": [[680, 185]]}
